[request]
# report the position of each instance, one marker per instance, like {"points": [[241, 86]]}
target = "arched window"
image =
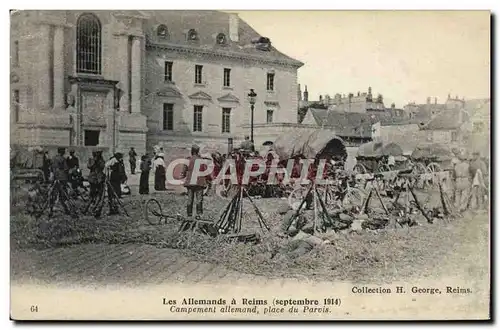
{"points": [[192, 35], [88, 44], [221, 39], [162, 31]]}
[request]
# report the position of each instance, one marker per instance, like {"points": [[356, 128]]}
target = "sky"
{"points": [[406, 56]]}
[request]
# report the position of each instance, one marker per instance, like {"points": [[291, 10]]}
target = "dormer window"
{"points": [[162, 31], [221, 39], [192, 35]]}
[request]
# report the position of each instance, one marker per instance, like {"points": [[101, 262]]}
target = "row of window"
{"points": [[192, 35], [226, 80], [168, 118]]}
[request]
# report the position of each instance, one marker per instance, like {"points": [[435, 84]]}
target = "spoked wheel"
{"points": [[153, 212], [353, 197], [360, 169], [297, 196], [433, 167]]}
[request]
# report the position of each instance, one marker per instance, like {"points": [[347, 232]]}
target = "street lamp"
{"points": [[251, 98]]}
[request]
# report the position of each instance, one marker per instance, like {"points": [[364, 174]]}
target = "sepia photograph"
{"points": [[250, 165]]}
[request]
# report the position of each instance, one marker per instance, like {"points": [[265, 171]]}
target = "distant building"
{"points": [[458, 123]]}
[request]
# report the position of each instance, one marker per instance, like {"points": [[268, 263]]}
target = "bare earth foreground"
{"points": [[130, 252]]}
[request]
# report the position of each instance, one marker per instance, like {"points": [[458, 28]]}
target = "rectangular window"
{"points": [[91, 138], [16, 105], [227, 77], [198, 118], [270, 81], [198, 74], [15, 60], [168, 71], [226, 120], [168, 117], [269, 118]]}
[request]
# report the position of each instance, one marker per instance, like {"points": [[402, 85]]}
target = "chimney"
{"points": [[306, 95], [234, 27]]}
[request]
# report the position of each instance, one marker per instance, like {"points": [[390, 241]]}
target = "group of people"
{"points": [[470, 188], [64, 172]]}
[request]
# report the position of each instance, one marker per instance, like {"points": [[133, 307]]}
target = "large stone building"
{"points": [[125, 79]]}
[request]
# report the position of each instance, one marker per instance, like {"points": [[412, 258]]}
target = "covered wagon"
{"points": [[373, 157]]}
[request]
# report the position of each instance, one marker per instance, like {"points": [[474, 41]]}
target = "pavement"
{"points": [[124, 264]]}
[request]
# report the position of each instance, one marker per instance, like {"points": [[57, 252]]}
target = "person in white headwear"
{"points": [[160, 173]]}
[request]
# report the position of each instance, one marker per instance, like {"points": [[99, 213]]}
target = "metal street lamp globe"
{"points": [[252, 96]]}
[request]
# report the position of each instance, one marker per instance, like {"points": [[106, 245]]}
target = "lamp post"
{"points": [[251, 98]]}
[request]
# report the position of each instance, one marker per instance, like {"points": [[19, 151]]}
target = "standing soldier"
{"points": [[478, 171], [196, 187], [454, 162], [116, 176], [96, 180], [132, 160], [60, 173], [73, 166], [462, 183]]}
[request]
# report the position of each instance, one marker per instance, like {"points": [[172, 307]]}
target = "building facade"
{"points": [[126, 79]]}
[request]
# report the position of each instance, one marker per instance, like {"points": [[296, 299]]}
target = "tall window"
{"points": [[198, 118], [16, 105], [226, 120], [15, 60], [168, 71], [270, 81], [198, 74], [88, 45], [269, 118], [168, 117], [227, 77]]}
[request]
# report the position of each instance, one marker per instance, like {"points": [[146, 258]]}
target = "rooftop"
{"points": [[209, 25]]}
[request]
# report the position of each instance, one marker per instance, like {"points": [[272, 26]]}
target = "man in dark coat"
{"points": [[117, 176], [60, 176], [96, 179], [132, 160], [195, 186], [74, 170]]}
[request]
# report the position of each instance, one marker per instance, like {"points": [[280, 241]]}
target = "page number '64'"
{"points": [[34, 309]]}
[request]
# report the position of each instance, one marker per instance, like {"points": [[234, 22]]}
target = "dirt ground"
{"points": [[136, 250]]}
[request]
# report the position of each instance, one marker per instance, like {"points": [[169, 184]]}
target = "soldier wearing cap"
{"points": [[195, 186], [462, 182], [478, 172], [97, 178], [73, 166], [60, 175]]}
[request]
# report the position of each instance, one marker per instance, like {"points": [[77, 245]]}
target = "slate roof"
{"points": [[345, 124], [208, 24], [447, 120], [355, 124]]}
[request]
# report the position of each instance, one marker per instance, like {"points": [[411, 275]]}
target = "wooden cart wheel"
{"points": [[360, 169], [433, 167], [297, 196], [353, 197], [153, 212]]}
